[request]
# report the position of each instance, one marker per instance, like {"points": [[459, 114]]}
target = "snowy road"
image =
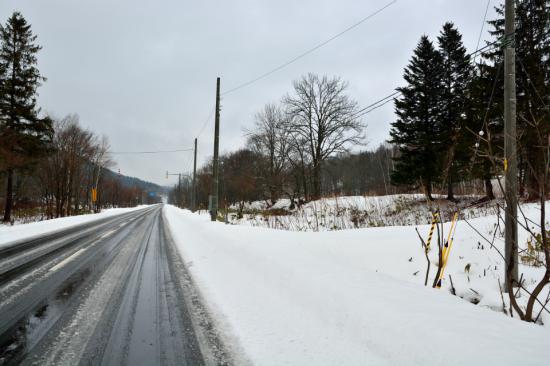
{"points": [[110, 292]]}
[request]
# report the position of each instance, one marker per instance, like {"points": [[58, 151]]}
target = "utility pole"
{"points": [[177, 191], [194, 188], [180, 196], [510, 149], [214, 201]]}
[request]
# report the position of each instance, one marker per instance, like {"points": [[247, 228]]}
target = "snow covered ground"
{"points": [[356, 297], [352, 212], [12, 233]]}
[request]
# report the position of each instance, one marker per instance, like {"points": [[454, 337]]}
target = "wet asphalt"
{"points": [[112, 292]]}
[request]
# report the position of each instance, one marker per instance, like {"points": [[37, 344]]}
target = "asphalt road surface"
{"points": [[111, 292]]}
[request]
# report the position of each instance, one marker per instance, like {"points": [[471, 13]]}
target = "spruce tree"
{"points": [[24, 136], [532, 43], [417, 130], [455, 77], [485, 117]]}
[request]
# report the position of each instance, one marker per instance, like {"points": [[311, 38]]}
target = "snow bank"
{"points": [[17, 232], [350, 297], [350, 212]]}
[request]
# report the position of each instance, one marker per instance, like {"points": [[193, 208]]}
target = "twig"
{"points": [[542, 307], [537, 300], [453, 290], [427, 258], [484, 238], [519, 285], [502, 297]]}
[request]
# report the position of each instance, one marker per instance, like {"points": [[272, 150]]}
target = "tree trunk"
{"points": [[428, 190], [545, 248], [316, 181], [304, 183], [9, 197], [57, 206], [532, 183], [489, 189], [450, 193]]}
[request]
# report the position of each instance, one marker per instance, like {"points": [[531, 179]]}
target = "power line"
{"points": [[375, 107], [482, 25], [379, 103], [388, 98], [530, 81], [360, 112], [486, 115], [303, 54], [493, 88], [307, 52], [206, 122]]}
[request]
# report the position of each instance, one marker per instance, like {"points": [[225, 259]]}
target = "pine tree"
{"points": [[455, 77], [485, 117], [532, 43], [23, 135], [416, 131]]}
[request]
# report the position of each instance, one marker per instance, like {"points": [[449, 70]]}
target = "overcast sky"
{"points": [[144, 72]]}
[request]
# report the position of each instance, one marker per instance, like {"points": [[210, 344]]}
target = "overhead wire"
{"points": [[493, 89], [358, 113], [376, 105], [361, 112], [388, 98], [294, 59], [307, 52], [530, 81], [206, 122], [482, 25], [249, 82]]}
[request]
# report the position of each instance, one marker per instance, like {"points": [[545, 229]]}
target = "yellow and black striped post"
{"points": [[434, 222]]}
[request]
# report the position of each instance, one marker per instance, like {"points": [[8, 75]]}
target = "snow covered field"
{"points": [[356, 297], [12, 233], [352, 212]]}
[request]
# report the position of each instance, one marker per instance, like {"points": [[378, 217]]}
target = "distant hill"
{"points": [[129, 182]]}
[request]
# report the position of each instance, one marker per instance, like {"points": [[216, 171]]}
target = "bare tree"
{"points": [[100, 160], [300, 167], [73, 168], [269, 138], [325, 118], [538, 233]]}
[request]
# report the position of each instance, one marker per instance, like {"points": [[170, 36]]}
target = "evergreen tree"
{"points": [[532, 43], [23, 135], [455, 77], [484, 116], [416, 131]]}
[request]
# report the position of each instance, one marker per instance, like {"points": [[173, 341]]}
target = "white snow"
{"points": [[352, 297], [10, 234], [348, 212]]}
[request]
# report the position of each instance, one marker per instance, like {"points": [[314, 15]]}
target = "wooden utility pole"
{"points": [[214, 199], [180, 196], [194, 188], [510, 149]]}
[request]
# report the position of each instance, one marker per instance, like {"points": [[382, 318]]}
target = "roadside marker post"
{"points": [[435, 216], [447, 250]]}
